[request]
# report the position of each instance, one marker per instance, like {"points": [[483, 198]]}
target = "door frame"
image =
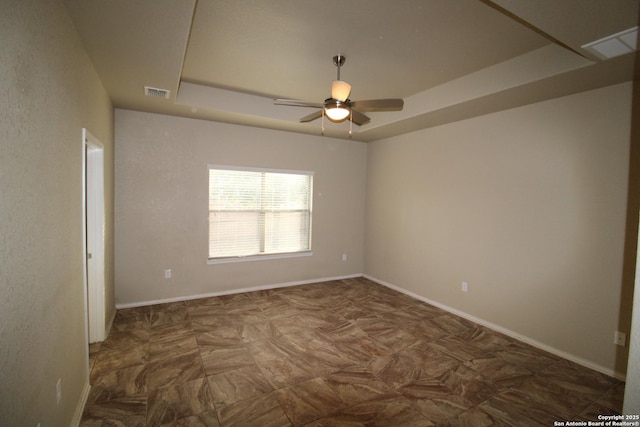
{"points": [[93, 220]]}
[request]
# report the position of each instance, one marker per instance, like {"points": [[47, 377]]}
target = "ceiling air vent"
{"points": [[614, 45], [158, 93]]}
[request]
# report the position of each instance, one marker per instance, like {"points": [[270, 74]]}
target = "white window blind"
{"points": [[258, 212]]}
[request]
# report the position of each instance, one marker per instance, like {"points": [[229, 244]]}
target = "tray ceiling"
{"points": [[227, 60]]}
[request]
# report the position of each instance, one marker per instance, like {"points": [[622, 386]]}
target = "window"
{"points": [[258, 212]]}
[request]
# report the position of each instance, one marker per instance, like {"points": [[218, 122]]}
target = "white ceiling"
{"points": [[226, 60]]}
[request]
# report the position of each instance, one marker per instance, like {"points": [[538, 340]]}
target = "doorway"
{"points": [[94, 239]]}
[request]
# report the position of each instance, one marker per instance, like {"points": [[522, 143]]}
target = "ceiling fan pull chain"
{"points": [[350, 123], [322, 132]]}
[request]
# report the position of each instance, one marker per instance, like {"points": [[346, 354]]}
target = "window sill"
{"points": [[258, 257]]}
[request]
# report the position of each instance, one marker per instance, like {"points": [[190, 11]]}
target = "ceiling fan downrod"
{"points": [[338, 61]]}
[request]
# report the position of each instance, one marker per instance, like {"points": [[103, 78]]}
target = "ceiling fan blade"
{"points": [[298, 103], [359, 118], [340, 90], [311, 117], [378, 105]]}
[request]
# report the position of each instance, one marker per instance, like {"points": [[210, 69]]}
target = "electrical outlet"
{"points": [[58, 391], [344, 257], [465, 286], [167, 273], [619, 338]]}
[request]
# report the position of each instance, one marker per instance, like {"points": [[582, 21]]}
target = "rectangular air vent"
{"points": [[614, 45], [154, 91]]}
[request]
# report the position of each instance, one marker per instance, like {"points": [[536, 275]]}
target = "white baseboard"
{"points": [[77, 415], [508, 332], [234, 291]]}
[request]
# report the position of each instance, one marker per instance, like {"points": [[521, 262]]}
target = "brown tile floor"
{"points": [[347, 352]]}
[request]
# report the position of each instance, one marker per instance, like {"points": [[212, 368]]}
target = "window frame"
{"points": [[260, 256]]}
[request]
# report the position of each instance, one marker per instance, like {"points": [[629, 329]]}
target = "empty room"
{"points": [[301, 213]]}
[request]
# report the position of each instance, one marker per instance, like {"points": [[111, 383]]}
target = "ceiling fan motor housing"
{"points": [[336, 103]]}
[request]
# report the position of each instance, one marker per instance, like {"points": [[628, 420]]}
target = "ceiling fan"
{"points": [[339, 107]]}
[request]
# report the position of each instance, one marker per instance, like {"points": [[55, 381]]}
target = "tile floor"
{"points": [[340, 353]]}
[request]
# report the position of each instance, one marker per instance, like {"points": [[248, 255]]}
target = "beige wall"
{"points": [[49, 91], [162, 205], [526, 205]]}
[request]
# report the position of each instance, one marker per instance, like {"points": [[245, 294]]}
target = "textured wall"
{"points": [[527, 205], [49, 91], [162, 205]]}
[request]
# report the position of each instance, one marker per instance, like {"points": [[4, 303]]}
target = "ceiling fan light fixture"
{"points": [[340, 90], [337, 114], [337, 111]]}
